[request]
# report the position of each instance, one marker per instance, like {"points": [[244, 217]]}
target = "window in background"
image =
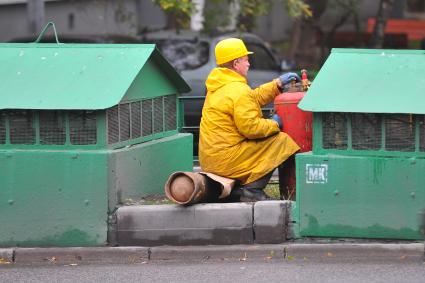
{"points": [[71, 20]]}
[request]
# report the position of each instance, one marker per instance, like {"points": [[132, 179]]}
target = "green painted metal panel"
{"points": [[143, 169], [153, 81], [369, 81], [366, 197], [53, 198], [101, 129], [73, 76], [170, 72], [141, 140]]}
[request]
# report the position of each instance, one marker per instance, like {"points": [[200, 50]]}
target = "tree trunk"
{"points": [[301, 30], [385, 7], [295, 39], [197, 19], [172, 22]]}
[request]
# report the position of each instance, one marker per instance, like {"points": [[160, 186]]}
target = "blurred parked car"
{"points": [[192, 54]]}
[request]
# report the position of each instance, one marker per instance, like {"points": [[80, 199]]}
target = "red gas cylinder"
{"points": [[296, 122], [298, 125]]}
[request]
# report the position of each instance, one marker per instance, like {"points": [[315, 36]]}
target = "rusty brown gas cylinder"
{"points": [[186, 187], [182, 188]]}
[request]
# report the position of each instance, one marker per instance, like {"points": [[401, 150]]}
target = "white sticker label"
{"points": [[316, 173]]}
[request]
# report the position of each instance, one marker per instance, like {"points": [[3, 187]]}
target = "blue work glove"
{"points": [[276, 118], [289, 77]]}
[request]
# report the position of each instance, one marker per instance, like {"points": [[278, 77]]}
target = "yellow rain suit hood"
{"points": [[235, 140]]}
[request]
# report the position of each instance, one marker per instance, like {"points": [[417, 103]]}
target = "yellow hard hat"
{"points": [[229, 49]]}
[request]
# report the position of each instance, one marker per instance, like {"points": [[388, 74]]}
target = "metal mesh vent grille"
{"points": [[52, 127], [2, 128], [334, 130], [136, 120], [158, 119], [421, 121], [146, 117], [113, 127], [124, 121], [22, 129], [82, 127], [399, 132], [142, 118], [366, 131], [170, 112]]}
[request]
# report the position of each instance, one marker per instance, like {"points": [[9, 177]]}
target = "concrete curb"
{"points": [[201, 224], [410, 252], [351, 251], [320, 252], [263, 222], [76, 255]]}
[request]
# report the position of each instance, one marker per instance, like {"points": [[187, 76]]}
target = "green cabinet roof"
{"points": [[369, 81], [74, 76]]}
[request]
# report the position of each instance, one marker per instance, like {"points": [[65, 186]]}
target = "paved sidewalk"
{"points": [[399, 252]]}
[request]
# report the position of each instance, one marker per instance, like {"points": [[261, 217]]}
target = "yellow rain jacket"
{"points": [[235, 140]]}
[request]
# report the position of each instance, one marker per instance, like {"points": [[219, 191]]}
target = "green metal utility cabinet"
{"points": [[83, 127], [366, 174]]}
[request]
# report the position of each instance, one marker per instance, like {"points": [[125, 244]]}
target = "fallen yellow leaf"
{"points": [[4, 261], [289, 257], [330, 254], [243, 258], [132, 259]]}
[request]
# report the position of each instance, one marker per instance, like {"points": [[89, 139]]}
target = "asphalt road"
{"points": [[243, 270]]}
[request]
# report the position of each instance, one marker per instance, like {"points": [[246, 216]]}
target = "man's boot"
{"points": [[252, 195], [247, 195], [251, 192]]}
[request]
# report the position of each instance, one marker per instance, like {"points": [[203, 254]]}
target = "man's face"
{"points": [[241, 66]]}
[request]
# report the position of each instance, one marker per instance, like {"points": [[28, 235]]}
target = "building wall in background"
{"points": [[13, 21], [84, 17], [130, 17]]}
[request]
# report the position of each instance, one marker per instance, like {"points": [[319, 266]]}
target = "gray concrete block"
{"points": [[292, 227], [213, 223], [270, 222]]}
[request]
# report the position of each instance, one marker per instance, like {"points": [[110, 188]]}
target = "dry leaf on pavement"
{"points": [[4, 261], [243, 258], [52, 259]]}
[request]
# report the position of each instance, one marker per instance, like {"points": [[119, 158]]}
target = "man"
{"points": [[235, 140]]}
